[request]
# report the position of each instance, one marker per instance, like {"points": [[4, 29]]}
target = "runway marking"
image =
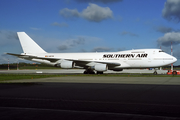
{"points": [[90, 112], [85, 101]]}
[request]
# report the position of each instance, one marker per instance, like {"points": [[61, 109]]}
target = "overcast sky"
{"points": [[90, 25]]}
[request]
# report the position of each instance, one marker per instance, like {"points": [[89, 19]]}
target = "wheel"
{"points": [[155, 73], [99, 72], [92, 72], [85, 72], [89, 71]]}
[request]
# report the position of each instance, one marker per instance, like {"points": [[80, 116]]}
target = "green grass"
{"points": [[22, 76], [4, 77]]}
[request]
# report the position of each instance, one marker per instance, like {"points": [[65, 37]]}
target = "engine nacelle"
{"points": [[101, 67], [66, 64], [43, 61]]}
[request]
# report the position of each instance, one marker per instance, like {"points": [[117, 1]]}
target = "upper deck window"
{"points": [[137, 52]]}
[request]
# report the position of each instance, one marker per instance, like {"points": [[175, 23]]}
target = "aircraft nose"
{"points": [[174, 59]]}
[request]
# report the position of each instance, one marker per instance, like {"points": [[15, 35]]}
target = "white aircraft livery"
{"points": [[97, 61]]}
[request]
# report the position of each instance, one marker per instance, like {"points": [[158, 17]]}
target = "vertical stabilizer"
{"points": [[28, 45]]}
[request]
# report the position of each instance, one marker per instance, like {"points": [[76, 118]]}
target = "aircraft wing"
{"points": [[85, 62], [82, 63]]}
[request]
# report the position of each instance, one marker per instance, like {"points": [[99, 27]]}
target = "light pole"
{"points": [[8, 64]]}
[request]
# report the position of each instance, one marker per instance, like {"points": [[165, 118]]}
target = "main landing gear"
{"points": [[89, 71], [99, 72]]}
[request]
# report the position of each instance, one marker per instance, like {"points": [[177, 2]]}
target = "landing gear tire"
{"points": [[92, 72], [155, 73], [85, 72], [99, 72], [89, 72]]}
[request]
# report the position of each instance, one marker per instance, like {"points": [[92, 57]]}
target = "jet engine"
{"points": [[66, 64], [101, 67]]}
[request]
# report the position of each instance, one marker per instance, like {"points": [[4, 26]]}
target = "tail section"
{"points": [[28, 45]]}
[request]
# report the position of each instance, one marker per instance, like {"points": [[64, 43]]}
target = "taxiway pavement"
{"points": [[79, 71], [99, 98]]}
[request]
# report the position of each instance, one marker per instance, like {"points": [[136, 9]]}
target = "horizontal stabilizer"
{"points": [[22, 56]]}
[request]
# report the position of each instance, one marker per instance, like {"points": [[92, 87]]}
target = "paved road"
{"points": [[100, 98], [71, 71]]}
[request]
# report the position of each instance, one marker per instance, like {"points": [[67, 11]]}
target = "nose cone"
{"points": [[174, 59]]}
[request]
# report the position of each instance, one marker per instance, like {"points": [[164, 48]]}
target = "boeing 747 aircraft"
{"points": [[99, 61]]}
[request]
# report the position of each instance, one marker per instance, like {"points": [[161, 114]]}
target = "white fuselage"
{"points": [[142, 58]]}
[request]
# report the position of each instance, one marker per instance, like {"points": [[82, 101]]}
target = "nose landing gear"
{"points": [[155, 72]]}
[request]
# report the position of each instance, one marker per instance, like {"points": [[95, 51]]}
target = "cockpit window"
{"points": [[161, 51]]}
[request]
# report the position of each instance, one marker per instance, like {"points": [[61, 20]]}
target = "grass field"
{"points": [[23, 76], [4, 77]]}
